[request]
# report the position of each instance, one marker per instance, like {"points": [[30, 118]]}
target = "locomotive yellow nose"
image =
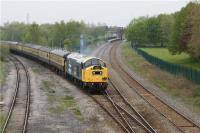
{"points": [[95, 75]]}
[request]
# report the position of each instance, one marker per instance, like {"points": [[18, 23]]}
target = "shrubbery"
{"points": [[4, 51]]}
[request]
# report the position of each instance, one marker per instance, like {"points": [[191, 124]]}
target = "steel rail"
{"points": [[163, 102], [28, 96], [116, 108], [146, 125], [111, 115], [25, 122], [13, 99]]}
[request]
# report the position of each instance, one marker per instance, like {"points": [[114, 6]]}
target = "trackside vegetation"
{"points": [[179, 31], [180, 59], [4, 51], [174, 85], [60, 34]]}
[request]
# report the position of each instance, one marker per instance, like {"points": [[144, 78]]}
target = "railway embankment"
{"points": [[176, 87]]}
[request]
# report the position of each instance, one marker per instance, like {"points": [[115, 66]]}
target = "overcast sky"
{"points": [[118, 13]]}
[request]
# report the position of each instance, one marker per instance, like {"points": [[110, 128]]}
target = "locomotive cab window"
{"points": [[94, 62], [87, 63]]}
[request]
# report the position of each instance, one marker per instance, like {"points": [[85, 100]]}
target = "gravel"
{"points": [[180, 106], [46, 115]]}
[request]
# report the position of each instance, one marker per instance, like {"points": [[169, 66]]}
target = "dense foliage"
{"points": [[60, 34], [150, 31], [180, 32]]}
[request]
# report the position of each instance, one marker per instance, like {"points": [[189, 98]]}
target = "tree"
{"points": [[153, 30], [166, 24], [60, 34], [182, 28], [144, 31], [194, 43], [33, 34], [46, 34], [14, 31], [136, 31], [185, 35]]}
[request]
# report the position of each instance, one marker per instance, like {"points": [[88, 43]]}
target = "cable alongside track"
{"points": [[181, 122], [15, 121]]}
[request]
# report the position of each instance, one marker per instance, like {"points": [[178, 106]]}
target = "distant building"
{"points": [[115, 32]]}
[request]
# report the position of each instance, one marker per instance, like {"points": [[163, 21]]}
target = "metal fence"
{"points": [[176, 69]]}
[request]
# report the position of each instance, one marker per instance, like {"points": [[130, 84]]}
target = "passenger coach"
{"points": [[88, 72]]}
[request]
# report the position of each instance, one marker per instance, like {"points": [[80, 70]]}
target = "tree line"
{"points": [[60, 34], [179, 31]]}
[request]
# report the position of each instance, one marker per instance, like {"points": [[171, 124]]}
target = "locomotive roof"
{"points": [[60, 52], [80, 58]]}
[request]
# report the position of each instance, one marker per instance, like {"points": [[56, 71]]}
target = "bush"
{"points": [[4, 51]]}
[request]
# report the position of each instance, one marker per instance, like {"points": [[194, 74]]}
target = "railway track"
{"points": [[128, 109], [17, 117], [181, 122], [118, 107]]}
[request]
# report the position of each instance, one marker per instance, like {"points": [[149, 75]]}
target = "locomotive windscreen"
{"points": [[94, 62]]}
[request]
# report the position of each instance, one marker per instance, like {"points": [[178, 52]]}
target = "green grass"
{"points": [[47, 86], [2, 71], [175, 86], [68, 103], [2, 120], [4, 51], [181, 59]]}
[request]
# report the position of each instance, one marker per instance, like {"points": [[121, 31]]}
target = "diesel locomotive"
{"points": [[86, 71]]}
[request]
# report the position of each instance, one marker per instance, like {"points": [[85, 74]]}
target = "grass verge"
{"points": [[175, 86], [60, 103], [2, 71], [67, 103], [46, 86], [4, 51], [181, 59], [2, 120]]}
